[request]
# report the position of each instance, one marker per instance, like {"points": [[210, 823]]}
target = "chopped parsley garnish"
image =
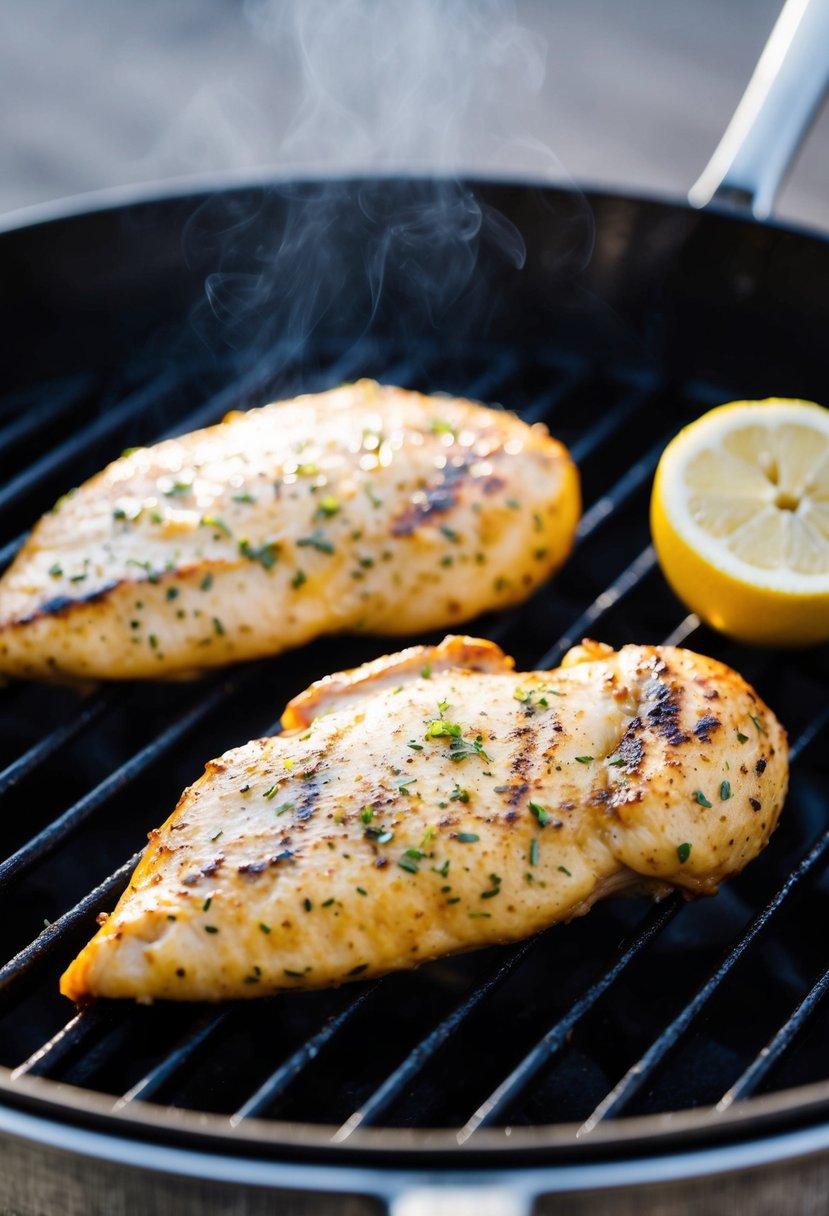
{"points": [[207, 582], [283, 807], [477, 915], [172, 593], [178, 488], [442, 870], [367, 814], [153, 640], [406, 863], [266, 554], [246, 497], [426, 671], [741, 738], [317, 540], [459, 795], [361, 890], [265, 928], [491, 893], [328, 506], [564, 870], [220, 832], [541, 813], [468, 837], [218, 627], [56, 571], [206, 905], [584, 759], [449, 533], [416, 747], [210, 929], [761, 730], [272, 791], [533, 852], [513, 504], [701, 799], [616, 763], [725, 791], [327, 903], [307, 905], [358, 970], [299, 578], [294, 975], [440, 728], [683, 852], [213, 521], [438, 426], [403, 785]]}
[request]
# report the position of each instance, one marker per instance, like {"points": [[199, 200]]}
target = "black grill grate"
{"points": [[570, 1028]]}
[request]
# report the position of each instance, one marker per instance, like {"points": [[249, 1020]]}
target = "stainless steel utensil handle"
{"points": [[462, 1201], [775, 113]]}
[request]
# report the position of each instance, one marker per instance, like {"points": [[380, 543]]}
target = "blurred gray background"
{"points": [[632, 95]]}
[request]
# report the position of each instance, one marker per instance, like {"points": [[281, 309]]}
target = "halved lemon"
{"points": [[740, 520]]}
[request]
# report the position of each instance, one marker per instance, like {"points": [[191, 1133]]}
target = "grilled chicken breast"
{"points": [[365, 509], [435, 801]]}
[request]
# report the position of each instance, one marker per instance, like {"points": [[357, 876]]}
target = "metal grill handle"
{"points": [[461, 1201], [775, 113]]}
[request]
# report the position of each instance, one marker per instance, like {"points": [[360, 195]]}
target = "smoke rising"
{"points": [[385, 86]]}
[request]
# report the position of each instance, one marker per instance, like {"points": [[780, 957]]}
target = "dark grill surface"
{"points": [[633, 1009]]}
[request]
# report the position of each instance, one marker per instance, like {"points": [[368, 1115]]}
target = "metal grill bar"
{"points": [[45, 748], [40, 845], [502, 1098], [78, 445], [85, 1025], [619, 493], [176, 1060], [771, 1054], [628, 580], [53, 934], [286, 1074], [8, 551], [27, 424], [640, 1072], [609, 423], [417, 1059]]}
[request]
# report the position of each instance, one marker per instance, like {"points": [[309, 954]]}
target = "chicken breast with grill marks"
{"points": [[367, 509], [435, 801]]}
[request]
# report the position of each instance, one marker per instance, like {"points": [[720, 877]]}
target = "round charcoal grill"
{"points": [[662, 1058]]}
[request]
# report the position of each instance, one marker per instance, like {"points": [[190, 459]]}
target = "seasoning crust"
{"points": [[436, 801], [367, 509]]}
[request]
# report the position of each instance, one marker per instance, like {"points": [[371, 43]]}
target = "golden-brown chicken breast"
{"points": [[435, 801], [366, 509]]}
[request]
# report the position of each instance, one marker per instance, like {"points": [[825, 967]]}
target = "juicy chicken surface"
{"points": [[435, 801], [366, 508]]}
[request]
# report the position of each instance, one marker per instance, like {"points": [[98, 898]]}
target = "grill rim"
{"points": [[704, 1129], [804, 1101], [176, 1152]]}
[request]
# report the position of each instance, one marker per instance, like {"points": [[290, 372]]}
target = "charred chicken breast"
{"points": [[365, 509], [435, 801]]}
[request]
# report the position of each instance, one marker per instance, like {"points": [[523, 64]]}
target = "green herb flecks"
{"points": [[683, 852], [541, 813], [725, 791], [214, 521], [317, 540], [701, 799], [468, 837], [266, 554]]}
